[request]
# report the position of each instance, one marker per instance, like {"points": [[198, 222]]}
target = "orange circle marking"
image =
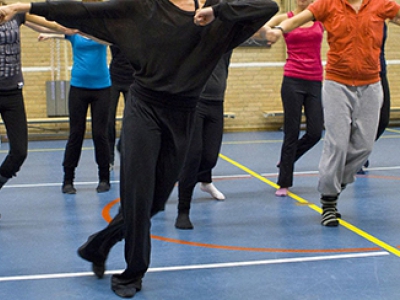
{"points": [[106, 215]]}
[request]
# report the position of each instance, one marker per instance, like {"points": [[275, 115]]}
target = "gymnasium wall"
{"points": [[253, 85]]}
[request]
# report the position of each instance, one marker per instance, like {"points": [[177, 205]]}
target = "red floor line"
{"points": [[106, 215]]}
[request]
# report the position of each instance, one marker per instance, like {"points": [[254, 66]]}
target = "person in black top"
{"points": [[121, 73], [173, 54], [205, 143], [12, 108]]}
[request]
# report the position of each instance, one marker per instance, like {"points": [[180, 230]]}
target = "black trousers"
{"points": [[202, 155], [296, 94], [78, 104], [153, 147], [385, 110], [12, 112], [115, 91]]}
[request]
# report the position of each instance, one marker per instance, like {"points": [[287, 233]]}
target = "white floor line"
{"points": [[50, 184], [204, 266], [28, 185]]}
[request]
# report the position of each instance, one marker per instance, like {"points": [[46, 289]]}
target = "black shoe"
{"points": [[68, 188], [125, 288], [98, 265], [3, 181], [183, 222], [366, 165], [104, 186], [361, 172]]}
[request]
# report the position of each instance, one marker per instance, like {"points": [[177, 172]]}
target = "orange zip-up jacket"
{"points": [[354, 39]]}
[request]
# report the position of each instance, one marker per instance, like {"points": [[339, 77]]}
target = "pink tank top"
{"points": [[304, 52]]}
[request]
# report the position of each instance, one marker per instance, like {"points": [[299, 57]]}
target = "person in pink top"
{"points": [[301, 88]]}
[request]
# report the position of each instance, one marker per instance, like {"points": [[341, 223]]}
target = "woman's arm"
{"points": [[262, 32], [40, 24], [288, 25]]}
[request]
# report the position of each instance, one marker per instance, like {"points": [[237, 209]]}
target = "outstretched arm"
{"points": [[40, 24], [288, 25], [274, 21]]}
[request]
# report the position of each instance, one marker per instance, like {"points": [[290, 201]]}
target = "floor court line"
{"points": [[202, 266], [52, 184], [316, 208]]}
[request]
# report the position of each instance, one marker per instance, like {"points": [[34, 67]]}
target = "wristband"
{"points": [[279, 27]]}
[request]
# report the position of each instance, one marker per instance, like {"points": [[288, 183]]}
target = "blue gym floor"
{"points": [[253, 245]]}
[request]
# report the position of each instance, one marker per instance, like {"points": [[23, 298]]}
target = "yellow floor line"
{"points": [[314, 207]]}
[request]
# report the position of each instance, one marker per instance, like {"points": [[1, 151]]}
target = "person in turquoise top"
{"points": [[89, 86]]}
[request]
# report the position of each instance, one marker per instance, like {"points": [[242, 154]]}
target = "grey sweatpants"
{"points": [[351, 115]]}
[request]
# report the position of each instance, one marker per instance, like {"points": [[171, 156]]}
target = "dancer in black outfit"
{"points": [[173, 54], [205, 141]]}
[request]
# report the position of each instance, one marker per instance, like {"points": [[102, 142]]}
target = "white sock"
{"points": [[212, 190]]}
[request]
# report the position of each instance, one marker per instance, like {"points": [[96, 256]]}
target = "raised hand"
{"points": [[204, 16], [6, 13]]}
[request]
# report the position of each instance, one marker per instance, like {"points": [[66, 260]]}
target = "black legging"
{"points": [[12, 111], [296, 94], [78, 104], [202, 155]]}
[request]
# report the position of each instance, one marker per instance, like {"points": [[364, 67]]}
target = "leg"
{"points": [[100, 110], [314, 118], [347, 109], [292, 92], [365, 124], [188, 176], [337, 102], [153, 148], [98, 245], [14, 117], [212, 139], [78, 106]]}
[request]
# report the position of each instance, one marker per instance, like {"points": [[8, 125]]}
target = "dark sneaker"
{"points": [[68, 188], [98, 265], [125, 288], [103, 186], [183, 222]]}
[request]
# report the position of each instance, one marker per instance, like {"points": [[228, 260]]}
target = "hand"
{"points": [[6, 13], [42, 37], [273, 35], [70, 31], [204, 16]]}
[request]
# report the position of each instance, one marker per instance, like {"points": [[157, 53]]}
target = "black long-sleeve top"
{"points": [[121, 70], [215, 87], [169, 53]]}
